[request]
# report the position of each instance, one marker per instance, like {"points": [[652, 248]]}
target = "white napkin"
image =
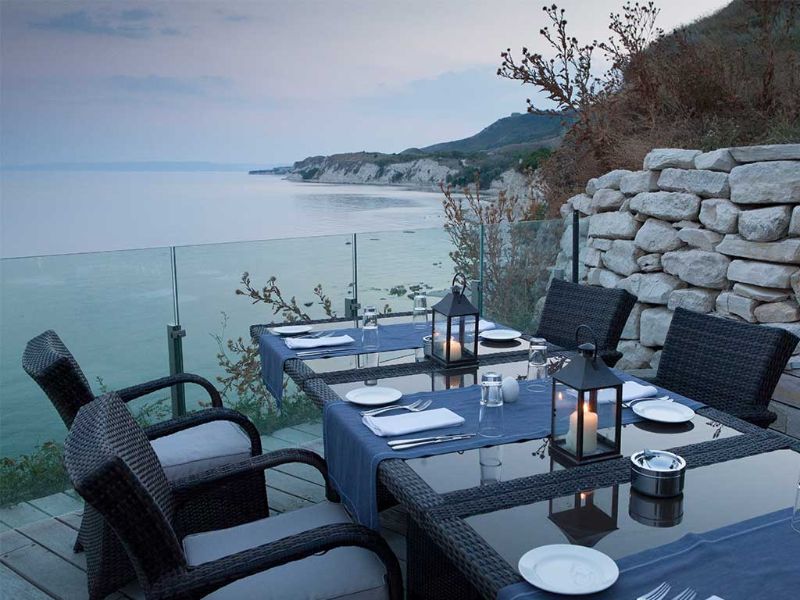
{"points": [[484, 325], [412, 422], [303, 343], [714, 598], [630, 391]]}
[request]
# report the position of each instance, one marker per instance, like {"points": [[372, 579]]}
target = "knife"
{"points": [[433, 440]]}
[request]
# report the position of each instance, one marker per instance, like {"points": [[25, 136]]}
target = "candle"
{"points": [[455, 350], [589, 431]]}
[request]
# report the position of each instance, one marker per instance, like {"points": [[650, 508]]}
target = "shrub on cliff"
{"points": [[730, 79]]}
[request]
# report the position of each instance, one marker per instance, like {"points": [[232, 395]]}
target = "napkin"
{"points": [[484, 325], [303, 343], [412, 422], [714, 598], [630, 391]]}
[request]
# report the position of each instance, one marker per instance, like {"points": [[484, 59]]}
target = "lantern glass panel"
{"points": [[438, 347], [470, 340], [599, 408]]}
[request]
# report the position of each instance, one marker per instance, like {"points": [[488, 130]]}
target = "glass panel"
{"points": [[304, 278], [393, 265], [111, 310], [517, 264]]}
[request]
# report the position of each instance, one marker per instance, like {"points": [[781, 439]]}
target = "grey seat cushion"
{"points": [[199, 448], [349, 572]]}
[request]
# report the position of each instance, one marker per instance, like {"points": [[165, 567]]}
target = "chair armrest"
{"points": [[136, 391], [203, 579], [207, 416], [189, 485], [760, 416]]}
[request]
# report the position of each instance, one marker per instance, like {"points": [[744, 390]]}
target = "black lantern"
{"points": [[455, 328], [587, 409]]}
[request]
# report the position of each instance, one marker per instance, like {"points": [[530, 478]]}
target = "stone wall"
{"points": [[715, 232]]}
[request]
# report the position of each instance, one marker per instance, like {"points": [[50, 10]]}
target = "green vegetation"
{"points": [[34, 475]]}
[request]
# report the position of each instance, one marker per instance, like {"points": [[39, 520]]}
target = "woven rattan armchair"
{"points": [[184, 445], [729, 365], [569, 305], [312, 552]]}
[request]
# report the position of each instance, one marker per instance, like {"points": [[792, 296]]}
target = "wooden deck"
{"points": [[36, 537]]}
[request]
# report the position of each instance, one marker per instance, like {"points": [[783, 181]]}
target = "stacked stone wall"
{"points": [[714, 232]]}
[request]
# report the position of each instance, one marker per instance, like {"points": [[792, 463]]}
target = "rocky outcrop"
{"points": [[714, 232]]}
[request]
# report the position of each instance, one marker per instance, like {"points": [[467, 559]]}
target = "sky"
{"points": [[266, 82]]}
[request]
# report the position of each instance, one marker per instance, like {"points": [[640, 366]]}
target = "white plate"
{"points": [[500, 335], [373, 396], [292, 329], [663, 411], [566, 569]]}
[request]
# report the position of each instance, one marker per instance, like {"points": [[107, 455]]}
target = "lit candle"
{"points": [[589, 431], [455, 350]]}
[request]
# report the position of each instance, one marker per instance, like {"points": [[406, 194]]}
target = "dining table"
{"points": [[475, 509]]}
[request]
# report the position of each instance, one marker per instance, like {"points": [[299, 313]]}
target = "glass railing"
{"points": [[112, 310]]}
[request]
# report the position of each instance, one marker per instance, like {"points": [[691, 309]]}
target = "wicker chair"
{"points": [[729, 365], [185, 445], [569, 305], [311, 552]]}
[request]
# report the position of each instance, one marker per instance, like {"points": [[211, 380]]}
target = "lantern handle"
{"points": [[594, 338], [464, 285]]}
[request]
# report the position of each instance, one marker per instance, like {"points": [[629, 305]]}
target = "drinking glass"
{"points": [[537, 364], [796, 512], [420, 312], [369, 330], [491, 460], [490, 419]]}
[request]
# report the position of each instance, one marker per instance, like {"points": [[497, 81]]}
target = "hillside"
{"points": [[516, 142], [519, 128]]}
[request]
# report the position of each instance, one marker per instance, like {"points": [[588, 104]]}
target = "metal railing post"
{"points": [[351, 305], [175, 335], [576, 239], [481, 279]]}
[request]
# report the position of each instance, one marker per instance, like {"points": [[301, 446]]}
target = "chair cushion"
{"points": [[199, 448], [347, 572]]}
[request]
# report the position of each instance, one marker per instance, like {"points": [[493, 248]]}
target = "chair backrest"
{"points": [[569, 305], [726, 364], [49, 363], [114, 468]]}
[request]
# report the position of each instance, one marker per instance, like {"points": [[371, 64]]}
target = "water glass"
{"points": [[796, 512], [491, 460], [420, 312], [490, 419], [369, 330], [537, 363]]}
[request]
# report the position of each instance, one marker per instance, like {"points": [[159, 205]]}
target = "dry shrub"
{"points": [[730, 79]]}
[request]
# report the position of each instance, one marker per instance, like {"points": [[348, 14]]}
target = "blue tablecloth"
{"points": [[273, 350], [754, 559], [353, 452]]}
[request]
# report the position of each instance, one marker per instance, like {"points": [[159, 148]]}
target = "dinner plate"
{"points": [[291, 329], [663, 411], [567, 569], [500, 335], [373, 395]]}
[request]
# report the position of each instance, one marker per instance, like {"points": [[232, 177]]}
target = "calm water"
{"points": [[112, 308]]}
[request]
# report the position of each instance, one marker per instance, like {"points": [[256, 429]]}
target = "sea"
{"points": [[89, 254]]}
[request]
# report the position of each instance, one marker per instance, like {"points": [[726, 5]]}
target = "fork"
{"points": [[630, 402], [417, 406], [687, 594], [658, 593]]}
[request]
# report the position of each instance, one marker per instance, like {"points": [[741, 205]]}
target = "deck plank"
{"points": [[290, 484], [302, 471], [57, 537], [14, 586], [314, 428], [21, 514], [283, 502], [295, 436], [57, 504], [73, 519], [12, 540], [54, 575]]}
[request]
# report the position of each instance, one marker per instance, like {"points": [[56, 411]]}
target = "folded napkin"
{"points": [[484, 325], [304, 343], [412, 422], [631, 390]]}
